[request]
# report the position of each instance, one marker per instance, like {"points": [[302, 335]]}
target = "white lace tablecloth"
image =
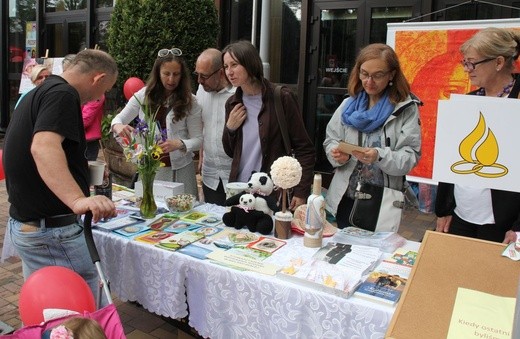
{"points": [[140, 272], [228, 303]]}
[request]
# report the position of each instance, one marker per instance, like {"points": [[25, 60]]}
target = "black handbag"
{"points": [[377, 208]]}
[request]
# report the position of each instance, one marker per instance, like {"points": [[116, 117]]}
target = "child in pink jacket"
{"points": [[92, 114]]}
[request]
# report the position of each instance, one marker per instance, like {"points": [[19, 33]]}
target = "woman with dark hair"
{"points": [[168, 91], [252, 135], [489, 59], [382, 114]]}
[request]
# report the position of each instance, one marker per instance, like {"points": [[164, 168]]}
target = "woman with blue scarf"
{"points": [[382, 116]]}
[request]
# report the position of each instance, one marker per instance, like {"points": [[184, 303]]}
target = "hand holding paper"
{"points": [[346, 147]]}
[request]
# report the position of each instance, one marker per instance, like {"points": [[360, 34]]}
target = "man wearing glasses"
{"points": [[212, 94]]}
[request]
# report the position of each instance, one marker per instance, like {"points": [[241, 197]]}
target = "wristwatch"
{"points": [[183, 147]]}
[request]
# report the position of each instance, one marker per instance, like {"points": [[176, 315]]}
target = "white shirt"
{"points": [[188, 129], [474, 204], [216, 165]]}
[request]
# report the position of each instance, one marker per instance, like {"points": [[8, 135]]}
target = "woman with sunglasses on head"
{"points": [[382, 116], [168, 89], [488, 58], [252, 134]]}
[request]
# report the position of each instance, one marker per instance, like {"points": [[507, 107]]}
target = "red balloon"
{"points": [[54, 287], [131, 86]]}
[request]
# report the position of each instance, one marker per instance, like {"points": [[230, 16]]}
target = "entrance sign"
{"points": [[430, 58]]}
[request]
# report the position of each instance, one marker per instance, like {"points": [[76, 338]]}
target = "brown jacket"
{"points": [[271, 137]]}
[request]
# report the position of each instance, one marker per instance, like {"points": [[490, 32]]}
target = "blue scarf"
{"points": [[366, 120]]}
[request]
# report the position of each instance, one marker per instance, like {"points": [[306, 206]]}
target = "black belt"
{"points": [[55, 221]]}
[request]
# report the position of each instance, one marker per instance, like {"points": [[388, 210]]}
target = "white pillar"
{"points": [[254, 22], [265, 37]]}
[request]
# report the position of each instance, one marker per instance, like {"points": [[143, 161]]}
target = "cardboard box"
{"points": [[161, 189]]}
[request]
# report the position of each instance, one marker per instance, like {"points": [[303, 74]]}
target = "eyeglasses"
{"points": [[470, 66], [375, 77], [164, 52], [205, 77]]}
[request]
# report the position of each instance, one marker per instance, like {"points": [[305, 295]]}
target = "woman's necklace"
{"points": [[505, 91]]}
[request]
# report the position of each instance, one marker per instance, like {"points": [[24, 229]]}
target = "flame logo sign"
{"points": [[480, 157]]}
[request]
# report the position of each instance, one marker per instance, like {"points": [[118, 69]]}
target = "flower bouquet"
{"points": [[286, 173], [143, 150]]}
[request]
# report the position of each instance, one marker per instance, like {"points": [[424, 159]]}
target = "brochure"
{"points": [[118, 223], [162, 222], [152, 237], [178, 241], [131, 231], [181, 226]]}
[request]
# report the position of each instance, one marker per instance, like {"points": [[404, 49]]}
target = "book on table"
{"points": [[403, 256], [181, 226], [118, 222], [152, 237], [132, 230], [200, 249], [177, 241], [162, 222], [385, 284]]}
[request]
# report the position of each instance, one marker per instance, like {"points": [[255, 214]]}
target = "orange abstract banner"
{"points": [[430, 58], [431, 63]]}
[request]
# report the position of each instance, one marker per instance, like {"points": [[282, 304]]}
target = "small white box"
{"points": [[161, 189]]}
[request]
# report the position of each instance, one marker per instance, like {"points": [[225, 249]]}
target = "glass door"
{"points": [[65, 37], [338, 31], [337, 34]]}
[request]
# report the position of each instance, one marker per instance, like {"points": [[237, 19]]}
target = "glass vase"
{"points": [[148, 205]]}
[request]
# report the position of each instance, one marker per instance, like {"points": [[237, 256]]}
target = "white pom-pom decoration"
{"points": [[286, 172]]}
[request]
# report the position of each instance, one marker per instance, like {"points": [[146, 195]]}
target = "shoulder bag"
{"points": [[281, 120], [376, 208]]}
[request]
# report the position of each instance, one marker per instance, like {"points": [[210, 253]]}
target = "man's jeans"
{"points": [[62, 246]]}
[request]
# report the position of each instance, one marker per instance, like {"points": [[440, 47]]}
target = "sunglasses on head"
{"points": [[165, 51]]}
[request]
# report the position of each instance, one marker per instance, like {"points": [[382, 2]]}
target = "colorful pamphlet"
{"points": [[403, 256], [177, 241], [200, 249], [152, 237], [132, 231], [162, 222], [194, 216], [266, 244], [181, 226], [118, 223], [385, 284]]}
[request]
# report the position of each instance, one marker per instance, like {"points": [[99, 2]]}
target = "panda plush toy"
{"points": [[261, 186], [244, 214]]}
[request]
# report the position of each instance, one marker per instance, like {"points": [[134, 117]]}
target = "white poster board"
{"points": [[476, 142], [430, 59], [53, 64]]}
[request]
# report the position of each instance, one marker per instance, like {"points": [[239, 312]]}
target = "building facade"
{"points": [[309, 45]]}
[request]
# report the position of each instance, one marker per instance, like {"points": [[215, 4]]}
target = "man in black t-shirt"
{"points": [[46, 169]]}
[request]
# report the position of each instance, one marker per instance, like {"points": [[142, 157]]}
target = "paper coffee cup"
{"points": [[96, 170], [233, 188]]}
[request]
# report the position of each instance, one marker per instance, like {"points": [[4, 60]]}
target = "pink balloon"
{"points": [[54, 287], [131, 86]]}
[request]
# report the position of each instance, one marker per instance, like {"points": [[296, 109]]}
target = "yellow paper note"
{"points": [[481, 315]]}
